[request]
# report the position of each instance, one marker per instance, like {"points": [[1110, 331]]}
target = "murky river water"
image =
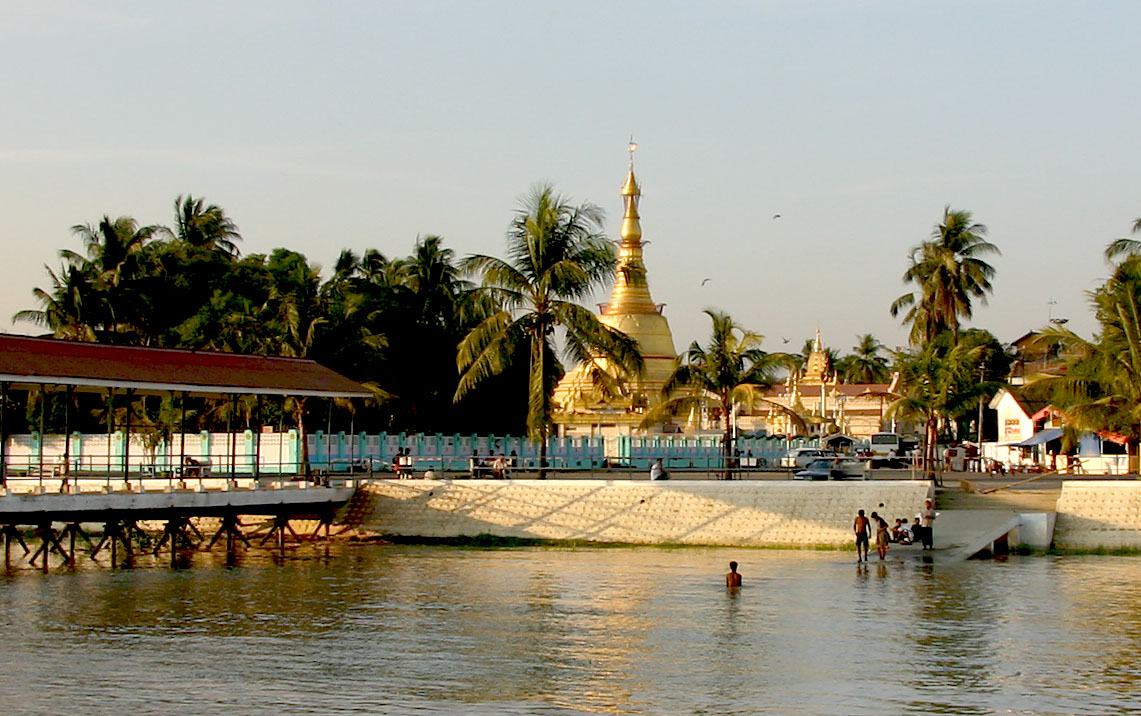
{"points": [[412, 630]]}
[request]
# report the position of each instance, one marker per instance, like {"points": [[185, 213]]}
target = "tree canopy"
{"points": [[948, 272]]}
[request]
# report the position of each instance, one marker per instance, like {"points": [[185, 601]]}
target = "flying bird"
{"points": [[776, 216], [705, 281]]}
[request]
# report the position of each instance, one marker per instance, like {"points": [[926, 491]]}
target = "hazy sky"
{"points": [[324, 126]]}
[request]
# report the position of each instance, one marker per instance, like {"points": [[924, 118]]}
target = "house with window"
{"points": [[1031, 437]]}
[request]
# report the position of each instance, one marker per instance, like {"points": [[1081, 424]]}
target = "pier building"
{"points": [[132, 481]]}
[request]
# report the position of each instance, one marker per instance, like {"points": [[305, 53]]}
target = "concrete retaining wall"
{"points": [[1096, 514], [715, 512]]}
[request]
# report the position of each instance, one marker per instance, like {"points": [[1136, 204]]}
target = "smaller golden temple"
{"points": [[826, 404], [581, 410]]}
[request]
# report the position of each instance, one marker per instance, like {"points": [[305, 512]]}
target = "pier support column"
{"points": [[232, 528], [49, 542], [71, 531], [178, 528], [279, 529], [11, 534], [115, 532], [325, 525]]}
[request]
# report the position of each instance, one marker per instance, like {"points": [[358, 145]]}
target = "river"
{"points": [[372, 629]]}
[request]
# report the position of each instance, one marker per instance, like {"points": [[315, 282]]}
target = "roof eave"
{"points": [[24, 381]]}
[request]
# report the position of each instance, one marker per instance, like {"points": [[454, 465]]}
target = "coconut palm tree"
{"points": [[63, 308], [866, 363], [556, 256], [114, 260], [205, 227], [1101, 387], [730, 372], [938, 383], [112, 247], [1119, 248], [948, 273]]}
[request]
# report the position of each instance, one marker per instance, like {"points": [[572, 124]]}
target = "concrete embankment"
{"points": [[1099, 514], [693, 512]]}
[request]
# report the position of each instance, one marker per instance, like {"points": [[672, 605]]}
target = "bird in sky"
{"points": [[776, 216], [705, 281]]}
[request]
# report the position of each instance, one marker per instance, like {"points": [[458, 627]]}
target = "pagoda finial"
{"points": [[818, 345], [631, 232], [630, 188]]}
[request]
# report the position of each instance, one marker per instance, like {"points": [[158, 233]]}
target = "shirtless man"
{"points": [[860, 527], [733, 578]]}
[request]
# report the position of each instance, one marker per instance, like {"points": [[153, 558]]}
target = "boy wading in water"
{"points": [[733, 578], [860, 527]]}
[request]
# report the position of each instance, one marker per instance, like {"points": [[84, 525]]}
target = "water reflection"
{"points": [[369, 629]]}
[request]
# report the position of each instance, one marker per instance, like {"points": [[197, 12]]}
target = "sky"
{"points": [[326, 126]]}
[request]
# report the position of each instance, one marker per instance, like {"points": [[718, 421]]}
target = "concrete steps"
{"points": [[969, 497]]}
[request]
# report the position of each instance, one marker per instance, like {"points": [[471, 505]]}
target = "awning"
{"points": [[1041, 438]]}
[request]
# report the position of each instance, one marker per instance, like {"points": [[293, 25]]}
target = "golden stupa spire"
{"points": [[631, 293], [583, 408]]}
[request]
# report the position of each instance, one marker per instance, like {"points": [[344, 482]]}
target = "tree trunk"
{"points": [[299, 417], [727, 443], [1134, 457], [929, 450]]}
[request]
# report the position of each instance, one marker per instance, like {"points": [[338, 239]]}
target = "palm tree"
{"points": [[434, 279], [205, 228], [556, 255], [1123, 247], [63, 308], [938, 382], [866, 363], [947, 273], [296, 307], [1101, 388], [730, 371], [112, 247], [113, 261]]}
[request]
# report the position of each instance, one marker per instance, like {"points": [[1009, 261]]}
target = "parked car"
{"points": [[801, 457], [833, 468]]}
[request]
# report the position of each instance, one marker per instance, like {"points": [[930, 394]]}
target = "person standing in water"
{"points": [[733, 578], [860, 526], [882, 535], [928, 524]]}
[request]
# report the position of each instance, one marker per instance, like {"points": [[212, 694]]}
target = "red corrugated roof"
{"points": [[32, 361]]}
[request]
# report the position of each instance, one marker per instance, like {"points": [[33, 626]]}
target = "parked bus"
{"points": [[883, 444]]}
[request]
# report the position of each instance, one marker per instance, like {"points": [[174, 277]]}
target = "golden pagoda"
{"points": [[582, 410], [816, 369]]}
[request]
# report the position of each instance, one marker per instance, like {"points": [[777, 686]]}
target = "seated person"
{"points": [[900, 533], [404, 463], [191, 467], [499, 466]]}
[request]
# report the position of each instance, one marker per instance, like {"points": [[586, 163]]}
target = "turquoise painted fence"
{"points": [[453, 453], [280, 453]]}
